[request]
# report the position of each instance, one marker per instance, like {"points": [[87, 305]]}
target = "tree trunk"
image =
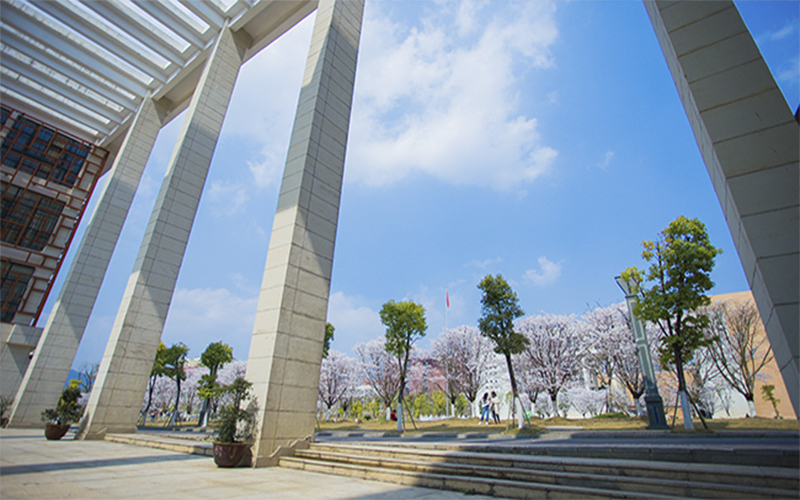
{"points": [[685, 407], [151, 385], [203, 420], [177, 402], [752, 407], [554, 402], [514, 394]]}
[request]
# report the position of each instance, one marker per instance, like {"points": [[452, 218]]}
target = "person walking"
{"points": [[495, 407], [485, 404]]}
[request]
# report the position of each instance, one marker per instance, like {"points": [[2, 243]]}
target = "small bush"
{"points": [[614, 414]]}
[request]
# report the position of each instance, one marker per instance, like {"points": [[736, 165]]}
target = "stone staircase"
{"points": [[562, 472]]}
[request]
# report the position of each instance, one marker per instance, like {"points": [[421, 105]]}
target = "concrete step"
{"points": [[631, 477], [502, 488], [161, 442], [605, 476], [787, 457]]}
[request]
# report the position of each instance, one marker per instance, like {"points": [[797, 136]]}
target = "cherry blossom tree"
{"points": [[336, 378], [554, 348], [189, 396], [737, 350], [702, 381], [604, 330], [463, 356], [379, 369], [587, 400], [529, 379]]}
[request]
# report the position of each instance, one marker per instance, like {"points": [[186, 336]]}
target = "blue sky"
{"points": [[542, 141]]}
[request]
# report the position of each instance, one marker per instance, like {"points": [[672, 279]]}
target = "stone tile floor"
{"points": [[33, 468]]}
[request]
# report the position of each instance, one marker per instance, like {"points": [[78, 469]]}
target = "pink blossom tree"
{"points": [[554, 349], [463, 356], [336, 378], [379, 369]]}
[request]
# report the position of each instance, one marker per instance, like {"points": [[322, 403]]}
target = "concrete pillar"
{"points": [[48, 370], [286, 348], [116, 399], [17, 343], [750, 143]]}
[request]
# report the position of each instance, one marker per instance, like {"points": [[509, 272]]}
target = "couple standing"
{"points": [[489, 405]]}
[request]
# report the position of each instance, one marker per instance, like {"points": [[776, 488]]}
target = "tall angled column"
{"points": [[750, 143], [116, 399], [286, 347], [49, 368]]}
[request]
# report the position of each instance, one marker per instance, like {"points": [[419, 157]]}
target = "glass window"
{"points": [[15, 278], [28, 219]]}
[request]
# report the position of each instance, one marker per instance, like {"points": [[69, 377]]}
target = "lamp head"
{"points": [[624, 285]]}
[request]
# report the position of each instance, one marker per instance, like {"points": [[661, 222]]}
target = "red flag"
{"points": [[448, 297]]}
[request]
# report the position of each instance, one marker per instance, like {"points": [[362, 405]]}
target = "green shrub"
{"points": [[614, 414]]}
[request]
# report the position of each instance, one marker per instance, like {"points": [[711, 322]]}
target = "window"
{"points": [[43, 152], [28, 219], [15, 278]]}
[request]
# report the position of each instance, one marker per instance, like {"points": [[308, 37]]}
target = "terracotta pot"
{"points": [[229, 454], [55, 432]]}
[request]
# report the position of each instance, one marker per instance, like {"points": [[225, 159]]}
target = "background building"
{"points": [[47, 178]]}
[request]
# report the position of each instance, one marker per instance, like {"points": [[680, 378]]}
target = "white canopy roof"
{"points": [[85, 66]]}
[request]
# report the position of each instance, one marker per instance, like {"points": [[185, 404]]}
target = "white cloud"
{"points": [[783, 32], [229, 197], [442, 99], [548, 273], [200, 316], [353, 321], [264, 101], [606, 160], [483, 264]]}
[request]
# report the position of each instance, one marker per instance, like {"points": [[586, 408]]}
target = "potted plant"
{"points": [[66, 412], [234, 424]]}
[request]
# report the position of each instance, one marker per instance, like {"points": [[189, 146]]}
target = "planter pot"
{"points": [[55, 432], [229, 454]]}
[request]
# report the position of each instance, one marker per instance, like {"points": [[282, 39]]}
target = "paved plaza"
{"points": [[34, 468]]}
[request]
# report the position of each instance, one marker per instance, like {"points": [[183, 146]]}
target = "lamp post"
{"points": [[655, 405]]}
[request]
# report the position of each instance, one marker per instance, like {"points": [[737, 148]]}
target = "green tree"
{"points": [[158, 370], [326, 347], [216, 355], [405, 323], [768, 391], [672, 292], [499, 308], [174, 368]]}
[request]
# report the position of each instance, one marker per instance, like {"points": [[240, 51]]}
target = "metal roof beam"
{"points": [[205, 11], [94, 29], [72, 50], [142, 30], [76, 112], [177, 22], [9, 38], [55, 86]]}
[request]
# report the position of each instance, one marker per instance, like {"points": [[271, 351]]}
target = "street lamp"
{"points": [[655, 405]]}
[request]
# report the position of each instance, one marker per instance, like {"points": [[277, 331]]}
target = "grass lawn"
{"points": [[540, 425]]}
